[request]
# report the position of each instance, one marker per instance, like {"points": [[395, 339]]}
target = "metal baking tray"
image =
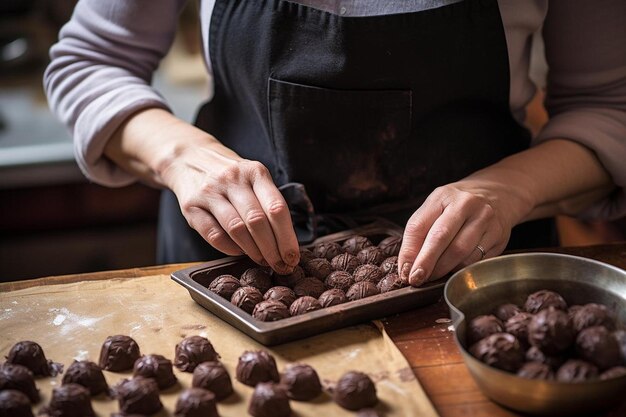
{"points": [[196, 280]]}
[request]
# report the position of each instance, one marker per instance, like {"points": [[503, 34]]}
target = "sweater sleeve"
{"points": [[586, 90], [100, 73]]}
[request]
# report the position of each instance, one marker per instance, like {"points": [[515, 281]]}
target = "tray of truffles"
{"points": [[344, 278]]}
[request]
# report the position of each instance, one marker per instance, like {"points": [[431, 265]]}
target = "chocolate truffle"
{"points": [[246, 298], [339, 279], [534, 354], [361, 290], [367, 412], [156, 367], [389, 265], [506, 311], [214, 377], [20, 378], [368, 272], [70, 400], [483, 326], [327, 250], [30, 355], [345, 262], [620, 336], [354, 391], [283, 294], [270, 310], [309, 286], [224, 286], [332, 297], [539, 300], [318, 268], [390, 282], [500, 350], [305, 256], [258, 278], [614, 372], [196, 402], [192, 351], [289, 280], [575, 370], [571, 311], [551, 331], [89, 375], [370, 255], [138, 396], [304, 305], [390, 246], [592, 315], [269, 400], [256, 366], [535, 370], [518, 326], [118, 353], [598, 346], [14, 403], [354, 244], [301, 381]]}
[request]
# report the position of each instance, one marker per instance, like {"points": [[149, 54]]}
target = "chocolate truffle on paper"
{"points": [[518, 326], [304, 305], [390, 246], [354, 244], [269, 400], [138, 396], [327, 250], [246, 298], [20, 378], [301, 381], [192, 351], [283, 294], [506, 311], [256, 366], [339, 279], [118, 353], [224, 286], [483, 326], [270, 310], [551, 331], [214, 377], [361, 290], [332, 297], [289, 280], [592, 315], [539, 300], [196, 402], [309, 286], [598, 346], [500, 350], [354, 391], [156, 367], [535, 370], [345, 262], [318, 268], [70, 400], [30, 355], [368, 272], [614, 372], [575, 370], [89, 375], [14, 403], [390, 282], [389, 265], [258, 278]]}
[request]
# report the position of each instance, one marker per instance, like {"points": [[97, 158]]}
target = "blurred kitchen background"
{"points": [[52, 221]]}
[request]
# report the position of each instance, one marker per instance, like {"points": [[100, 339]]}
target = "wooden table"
{"points": [[422, 335]]}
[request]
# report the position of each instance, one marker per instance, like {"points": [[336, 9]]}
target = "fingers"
{"points": [[415, 234], [210, 229]]}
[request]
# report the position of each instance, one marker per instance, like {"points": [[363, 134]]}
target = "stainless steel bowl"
{"points": [[479, 288]]}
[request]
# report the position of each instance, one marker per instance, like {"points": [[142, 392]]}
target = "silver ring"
{"points": [[482, 252]]}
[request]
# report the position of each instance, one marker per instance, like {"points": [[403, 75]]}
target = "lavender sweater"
{"points": [[103, 63]]}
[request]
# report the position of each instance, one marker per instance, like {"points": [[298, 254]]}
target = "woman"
{"points": [[407, 110]]}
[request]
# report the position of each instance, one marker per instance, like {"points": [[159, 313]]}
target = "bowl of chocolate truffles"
{"points": [[543, 333]]}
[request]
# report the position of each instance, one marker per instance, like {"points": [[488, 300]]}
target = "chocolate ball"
{"points": [[89, 375], [390, 282], [258, 278], [354, 244], [345, 262], [390, 246], [305, 256], [118, 353], [500, 350], [214, 377], [361, 290], [339, 279], [70, 400], [518, 326], [19, 378], [309, 286], [290, 280], [318, 268], [30, 355], [540, 300], [192, 351], [534, 354], [591, 315], [354, 391], [327, 250], [283, 294], [156, 367], [246, 298], [14, 403], [256, 366], [571, 311], [370, 255], [332, 297], [270, 310], [551, 331], [389, 265], [368, 272], [138, 396], [614, 372], [269, 400], [304, 305], [575, 370], [483, 326], [196, 402], [620, 336], [224, 286], [301, 381], [535, 370], [506, 311], [598, 346]]}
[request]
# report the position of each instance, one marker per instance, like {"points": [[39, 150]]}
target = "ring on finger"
{"points": [[480, 249]]}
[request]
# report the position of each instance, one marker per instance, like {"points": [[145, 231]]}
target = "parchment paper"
{"points": [[70, 321]]}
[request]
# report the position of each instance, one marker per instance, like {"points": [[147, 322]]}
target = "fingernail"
{"points": [[404, 272], [283, 267], [291, 258], [417, 276]]}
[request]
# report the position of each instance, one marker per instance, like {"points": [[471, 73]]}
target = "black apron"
{"points": [[369, 114]]}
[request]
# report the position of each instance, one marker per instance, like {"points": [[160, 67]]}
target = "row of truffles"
{"points": [[329, 274], [547, 339], [139, 395]]}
